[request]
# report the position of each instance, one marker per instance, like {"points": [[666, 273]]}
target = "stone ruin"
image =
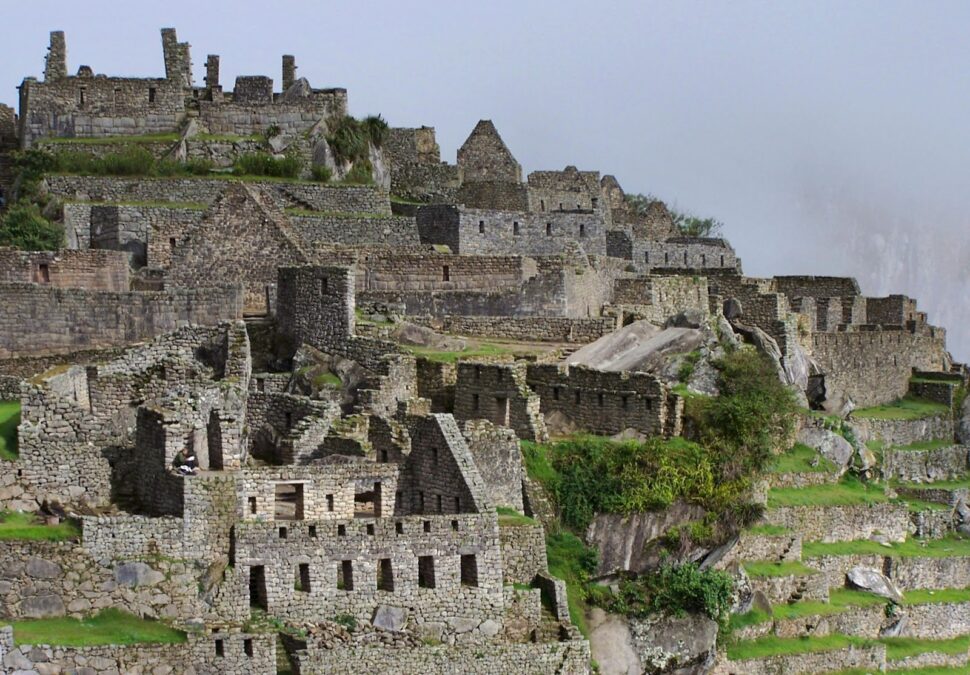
{"points": [[279, 331]]}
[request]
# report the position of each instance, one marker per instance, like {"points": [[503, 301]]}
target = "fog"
{"points": [[829, 137]]}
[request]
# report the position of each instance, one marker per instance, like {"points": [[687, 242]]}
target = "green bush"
{"points": [[264, 164], [322, 174], [751, 419], [25, 228], [675, 589], [132, 161], [361, 173], [377, 129], [350, 138]]}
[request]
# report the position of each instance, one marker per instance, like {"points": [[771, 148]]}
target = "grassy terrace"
{"points": [[896, 648], [195, 206], [357, 215], [800, 459], [766, 568], [473, 350], [948, 547], [511, 518], [927, 445], [907, 408], [849, 491], [109, 627], [16, 526], [9, 419]]}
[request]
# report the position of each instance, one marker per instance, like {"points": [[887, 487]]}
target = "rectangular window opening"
{"points": [[399, 527], [345, 575], [481, 227], [515, 227], [312, 531], [426, 571], [288, 502], [549, 228], [151, 94], [330, 503], [427, 526], [248, 647], [385, 575], [599, 399], [220, 648], [341, 530], [252, 505], [445, 273], [303, 578], [469, 570], [582, 230]]}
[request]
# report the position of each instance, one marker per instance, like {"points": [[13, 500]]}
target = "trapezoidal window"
{"points": [[323, 286], [257, 587], [152, 91], [426, 571], [549, 228], [385, 575], [43, 273], [220, 648], [515, 227], [248, 647], [302, 581], [345, 575], [582, 230], [469, 570], [288, 503], [481, 227], [80, 96], [445, 273]]}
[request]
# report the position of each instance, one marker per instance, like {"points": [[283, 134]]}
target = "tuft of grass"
{"points": [[572, 561], [906, 408], [768, 530], [776, 646], [327, 380], [802, 459], [750, 618], [848, 492], [900, 648], [766, 568], [16, 526], [511, 518], [485, 349], [9, 420], [111, 140], [947, 547], [108, 627]]}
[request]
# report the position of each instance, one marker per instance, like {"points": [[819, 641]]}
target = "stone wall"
{"points": [[523, 552], [816, 287], [498, 392], [903, 432], [87, 270], [351, 230], [250, 112], [229, 653], [843, 523], [315, 305], [862, 658], [417, 171], [605, 402], [485, 157], [43, 320], [874, 367], [499, 460], [532, 329], [315, 196], [568, 658], [926, 466], [657, 298]]}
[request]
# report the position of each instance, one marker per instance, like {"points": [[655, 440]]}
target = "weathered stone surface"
{"points": [[42, 606], [611, 644], [831, 445], [873, 581], [390, 618], [137, 574], [42, 569], [682, 645]]}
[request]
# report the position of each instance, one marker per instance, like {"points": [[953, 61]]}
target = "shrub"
{"points": [[264, 164], [132, 161], [322, 174], [751, 419], [676, 589], [377, 129], [361, 173], [199, 167], [25, 228]]}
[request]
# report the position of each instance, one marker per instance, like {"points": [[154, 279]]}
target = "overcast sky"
{"points": [[829, 137]]}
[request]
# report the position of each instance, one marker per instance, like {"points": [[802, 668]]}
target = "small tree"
{"points": [[25, 228]]}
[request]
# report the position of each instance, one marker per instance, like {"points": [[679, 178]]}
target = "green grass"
{"points": [[840, 600], [570, 560], [766, 568], [109, 627], [512, 518], [900, 648], [485, 349], [355, 215], [922, 596], [750, 618], [195, 206], [850, 491], [774, 646], [768, 530], [321, 380], [799, 459], [907, 408], [948, 547], [15, 526], [955, 484], [111, 140], [9, 420], [930, 670]]}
